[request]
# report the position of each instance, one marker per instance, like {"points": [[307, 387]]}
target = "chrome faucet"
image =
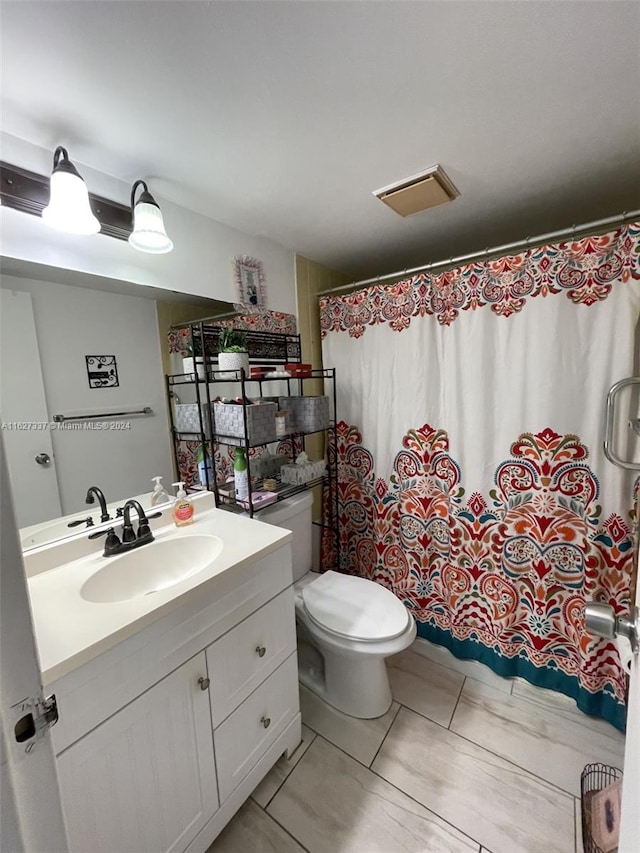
{"points": [[130, 539], [94, 492]]}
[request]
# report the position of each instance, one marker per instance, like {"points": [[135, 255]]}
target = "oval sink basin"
{"points": [[151, 568]]}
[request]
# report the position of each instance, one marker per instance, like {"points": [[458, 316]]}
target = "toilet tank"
{"points": [[294, 514]]}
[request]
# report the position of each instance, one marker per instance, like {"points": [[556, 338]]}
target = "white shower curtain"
{"points": [[472, 479]]}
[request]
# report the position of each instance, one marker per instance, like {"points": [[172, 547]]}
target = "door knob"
{"points": [[203, 682], [602, 621], [43, 459], [260, 651], [266, 721]]}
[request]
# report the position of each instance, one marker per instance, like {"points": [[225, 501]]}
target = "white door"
{"points": [[31, 817], [144, 781], [22, 401], [622, 431], [630, 828]]}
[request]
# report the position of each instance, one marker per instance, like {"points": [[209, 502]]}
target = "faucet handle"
{"points": [[98, 533], [88, 521], [143, 526], [128, 533], [112, 543]]}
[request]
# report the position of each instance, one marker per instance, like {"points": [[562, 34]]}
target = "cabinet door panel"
{"points": [[247, 734], [245, 656], [144, 780]]}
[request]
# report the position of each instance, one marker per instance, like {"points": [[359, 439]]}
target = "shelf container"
{"points": [[311, 414], [261, 422], [187, 418]]}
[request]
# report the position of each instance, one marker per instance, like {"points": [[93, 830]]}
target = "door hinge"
{"points": [[40, 715]]}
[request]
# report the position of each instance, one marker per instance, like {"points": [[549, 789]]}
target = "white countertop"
{"points": [[71, 631]]}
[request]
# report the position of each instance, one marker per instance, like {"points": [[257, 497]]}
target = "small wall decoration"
{"points": [[251, 283], [102, 371]]}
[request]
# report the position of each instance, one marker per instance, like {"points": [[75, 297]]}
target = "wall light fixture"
{"points": [[69, 209], [148, 233], [29, 192]]}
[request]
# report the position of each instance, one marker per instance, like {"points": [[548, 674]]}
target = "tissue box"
{"points": [[187, 419], [310, 413], [297, 475], [261, 421]]}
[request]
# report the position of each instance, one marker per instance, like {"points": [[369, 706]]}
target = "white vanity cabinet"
{"points": [[144, 781], [163, 737]]}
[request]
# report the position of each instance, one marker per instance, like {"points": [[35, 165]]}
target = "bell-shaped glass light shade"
{"points": [[148, 233], [68, 208]]}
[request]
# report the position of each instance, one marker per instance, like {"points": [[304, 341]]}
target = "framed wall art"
{"points": [[102, 371], [252, 287]]}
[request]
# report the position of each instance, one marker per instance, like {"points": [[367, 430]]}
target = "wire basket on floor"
{"points": [[594, 778]]}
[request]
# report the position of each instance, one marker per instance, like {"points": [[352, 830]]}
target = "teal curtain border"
{"points": [[601, 704]]}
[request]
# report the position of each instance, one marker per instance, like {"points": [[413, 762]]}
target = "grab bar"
{"points": [[59, 419], [609, 424]]}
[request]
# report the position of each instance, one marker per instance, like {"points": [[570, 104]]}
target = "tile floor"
{"points": [[463, 762]]}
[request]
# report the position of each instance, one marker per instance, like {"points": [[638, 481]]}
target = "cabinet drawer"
{"points": [[247, 734], [246, 655]]}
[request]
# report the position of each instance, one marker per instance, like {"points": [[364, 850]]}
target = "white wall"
{"points": [[201, 262], [72, 322]]}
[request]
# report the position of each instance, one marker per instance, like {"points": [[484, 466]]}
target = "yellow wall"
{"points": [[311, 278]]}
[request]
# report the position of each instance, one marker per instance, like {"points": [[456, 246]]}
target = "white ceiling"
{"points": [[281, 118]]}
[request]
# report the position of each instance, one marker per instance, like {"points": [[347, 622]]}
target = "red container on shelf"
{"points": [[298, 369], [259, 372]]}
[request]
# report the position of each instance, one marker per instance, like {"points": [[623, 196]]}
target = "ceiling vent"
{"points": [[419, 192]]}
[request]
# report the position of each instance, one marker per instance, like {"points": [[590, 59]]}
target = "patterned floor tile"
{"points": [[251, 829], [560, 704], [550, 745], [360, 738], [332, 804], [424, 686], [470, 668], [579, 844], [279, 772], [502, 806]]}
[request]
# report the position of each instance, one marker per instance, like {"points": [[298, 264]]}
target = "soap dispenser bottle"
{"points": [[183, 508], [159, 494]]}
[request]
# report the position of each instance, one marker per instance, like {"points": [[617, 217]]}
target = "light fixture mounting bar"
{"points": [[28, 192]]}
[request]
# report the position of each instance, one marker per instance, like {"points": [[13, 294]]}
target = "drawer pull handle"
{"points": [[261, 651], [203, 682], [266, 721]]}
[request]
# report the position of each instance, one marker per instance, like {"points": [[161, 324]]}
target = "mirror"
{"points": [[82, 391]]}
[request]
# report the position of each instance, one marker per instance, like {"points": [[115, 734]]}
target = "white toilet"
{"points": [[347, 625]]}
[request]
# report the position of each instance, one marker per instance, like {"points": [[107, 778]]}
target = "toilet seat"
{"points": [[354, 608]]}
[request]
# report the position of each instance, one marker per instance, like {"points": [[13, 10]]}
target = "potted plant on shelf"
{"points": [[191, 364], [232, 350]]}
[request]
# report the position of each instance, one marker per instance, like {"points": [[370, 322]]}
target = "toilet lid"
{"points": [[354, 607]]}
